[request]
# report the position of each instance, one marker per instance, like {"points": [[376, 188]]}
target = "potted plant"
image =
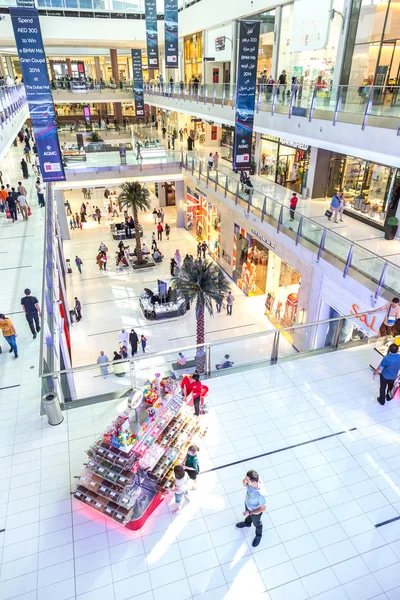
{"points": [[94, 137], [136, 198], [391, 228]]}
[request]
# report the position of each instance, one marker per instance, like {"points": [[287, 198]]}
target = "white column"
{"points": [[277, 39], [62, 214], [235, 27], [180, 203], [311, 171], [342, 41]]}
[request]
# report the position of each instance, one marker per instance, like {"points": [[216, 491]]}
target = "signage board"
{"points": [[171, 33], [249, 35], [138, 91], [311, 22], [220, 43], [32, 58], [150, 8], [263, 239]]}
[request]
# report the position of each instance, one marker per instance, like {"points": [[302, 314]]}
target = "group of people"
{"points": [[26, 139], [30, 306], [101, 257], [336, 207], [125, 340], [14, 201], [213, 160]]}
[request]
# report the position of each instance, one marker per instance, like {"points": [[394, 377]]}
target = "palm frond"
{"points": [[134, 196], [201, 283]]}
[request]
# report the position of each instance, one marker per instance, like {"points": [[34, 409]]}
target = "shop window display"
{"points": [[203, 221]]}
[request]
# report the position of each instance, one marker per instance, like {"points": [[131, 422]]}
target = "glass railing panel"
{"points": [[290, 220], [272, 209], [337, 246], [386, 101], [144, 370], [368, 263], [354, 101], [227, 355], [257, 200], [311, 232], [392, 278]]}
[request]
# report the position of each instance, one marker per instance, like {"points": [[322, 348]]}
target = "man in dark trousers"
{"points": [[293, 203], [255, 504], [388, 371], [78, 309], [30, 305]]}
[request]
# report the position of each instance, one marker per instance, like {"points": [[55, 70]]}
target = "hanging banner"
{"points": [[249, 36], [171, 33], [32, 59], [150, 8], [138, 82]]}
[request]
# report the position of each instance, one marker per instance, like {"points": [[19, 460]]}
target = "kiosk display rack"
{"points": [[128, 472]]}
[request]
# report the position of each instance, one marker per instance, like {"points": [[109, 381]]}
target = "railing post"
{"points": [[237, 193], [291, 103], [336, 337], [226, 186], [216, 180], [208, 360], [299, 228], [249, 200], [186, 162], [321, 245], [381, 281], [200, 169], [198, 93], [259, 98], [280, 219], [274, 97], [367, 108], [214, 95], [234, 97], [223, 98], [348, 261], [264, 209], [208, 176], [275, 348], [312, 105], [338, 106], [191, 92], [192, 165], [205, 93]]}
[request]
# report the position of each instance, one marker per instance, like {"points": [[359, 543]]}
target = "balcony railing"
{"points": [[373, 105], [12, 99]]}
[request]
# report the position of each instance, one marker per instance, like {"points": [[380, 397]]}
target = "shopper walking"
{"points": [[388, 371], [191, 464], [293, 203], [178, 259], [133, 341], [9, 333], [78, 309], [282, 80], [40, 192], [100, 361], [23, 206], [255, 504], [24, 169], [78, 263], [123, 338], [160, 230], [180, 489], [334, 208], [229, 303], [199, 250], [172, 267], [31, 308], [12, 206], [215, 160], [204, 248], [210, 161], [167, 231], [341, 206], [27, 154], [143, 341], [155, 216], [21, 189]]}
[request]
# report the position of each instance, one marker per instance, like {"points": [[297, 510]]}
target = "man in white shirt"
{"points": [[40, 192], [23, 205], [123, 338]]}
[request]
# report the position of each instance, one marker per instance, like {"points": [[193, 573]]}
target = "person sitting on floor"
{"points": [[225, 363], [157, 255]]}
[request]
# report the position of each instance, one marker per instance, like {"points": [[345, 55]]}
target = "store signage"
{"points": [[138, 82], [86, 115], [209, 59], [25, 4], [297, 145], [32, 58], [311, 21], [171, 33], [201, 192], [263, 239], [249, 35], [150, 8], [369, 322], [220, 43]]}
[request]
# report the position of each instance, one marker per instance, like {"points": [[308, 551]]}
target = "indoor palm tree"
{"points": [[201, 283], [135, 197]]}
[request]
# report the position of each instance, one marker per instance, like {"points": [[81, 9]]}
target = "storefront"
{"points": [[228, 134], [193, 56], [284, 162], [203, 220], [366, 187], [257, 271]]}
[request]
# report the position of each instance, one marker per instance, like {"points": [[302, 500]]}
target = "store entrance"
{"points": [[292, 168]]}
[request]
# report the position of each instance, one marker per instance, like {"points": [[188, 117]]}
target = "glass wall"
{"points": [[193, 56], [310, 67], [376, 55], [284, 162]]}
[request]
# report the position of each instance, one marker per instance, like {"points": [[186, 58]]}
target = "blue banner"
{"points": [[138, 83], [171, 33], [32, 58], [249, 35], [150, 8]]}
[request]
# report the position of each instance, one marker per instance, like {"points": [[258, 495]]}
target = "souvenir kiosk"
{"points": [[130, 468]]}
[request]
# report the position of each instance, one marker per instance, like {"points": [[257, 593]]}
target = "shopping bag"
{"points": [[328, 213], [29, 211], [8, 214]]}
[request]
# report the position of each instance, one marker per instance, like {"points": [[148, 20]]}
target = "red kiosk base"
{"points": [[136, 524]]}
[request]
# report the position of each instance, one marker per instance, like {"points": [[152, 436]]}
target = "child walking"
{"points": [[180, 489], [191, 465]]}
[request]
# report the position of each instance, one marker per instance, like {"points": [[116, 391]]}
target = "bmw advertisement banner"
{"points": [[150, 8], [171, 33], [32, 59], [138, 82], [249, 36]]}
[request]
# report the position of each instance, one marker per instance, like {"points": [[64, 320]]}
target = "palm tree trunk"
{"points": [[200, 353], [137, 236]]}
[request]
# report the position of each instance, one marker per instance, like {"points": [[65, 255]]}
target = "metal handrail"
{"points": [[240, 338]]}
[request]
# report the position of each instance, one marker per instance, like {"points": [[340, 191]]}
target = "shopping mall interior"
{"points": [[200, 257]]}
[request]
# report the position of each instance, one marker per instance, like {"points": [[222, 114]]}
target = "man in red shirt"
{"points": [[293, 203], [196, 392]]}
